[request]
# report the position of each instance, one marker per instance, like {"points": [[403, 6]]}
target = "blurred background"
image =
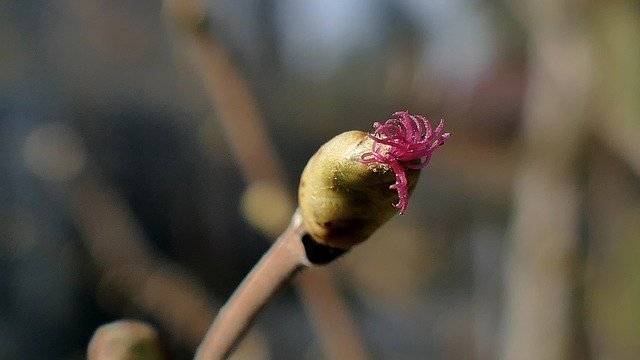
{"points": [[135, 178]]}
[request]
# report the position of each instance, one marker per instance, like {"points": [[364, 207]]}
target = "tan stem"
{"points": [[285, 257], [239, 115]]}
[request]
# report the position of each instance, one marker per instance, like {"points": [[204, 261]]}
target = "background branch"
{"points": [[256, 156], [130, 266], [544, 235]]}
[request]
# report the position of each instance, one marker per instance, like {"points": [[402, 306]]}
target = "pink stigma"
{"points": [[404, 142]]}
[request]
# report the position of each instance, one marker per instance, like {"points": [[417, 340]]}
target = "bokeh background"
{"points": [[124, 192]]}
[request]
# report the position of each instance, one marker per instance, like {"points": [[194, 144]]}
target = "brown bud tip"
{"points": [[125, 340], [343, 200]]}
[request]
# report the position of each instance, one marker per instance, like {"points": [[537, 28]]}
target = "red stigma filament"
{"points": [[404, 142]]}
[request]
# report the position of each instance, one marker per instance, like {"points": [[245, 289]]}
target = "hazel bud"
{"points": [[126, 340], [344, 189], [342, 199]]}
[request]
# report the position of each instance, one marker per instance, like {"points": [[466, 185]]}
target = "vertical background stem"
{"points": [[542, 258]]}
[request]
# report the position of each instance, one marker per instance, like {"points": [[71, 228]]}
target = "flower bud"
{"points": [[344, 189], [342, 199], [126, 340]]}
